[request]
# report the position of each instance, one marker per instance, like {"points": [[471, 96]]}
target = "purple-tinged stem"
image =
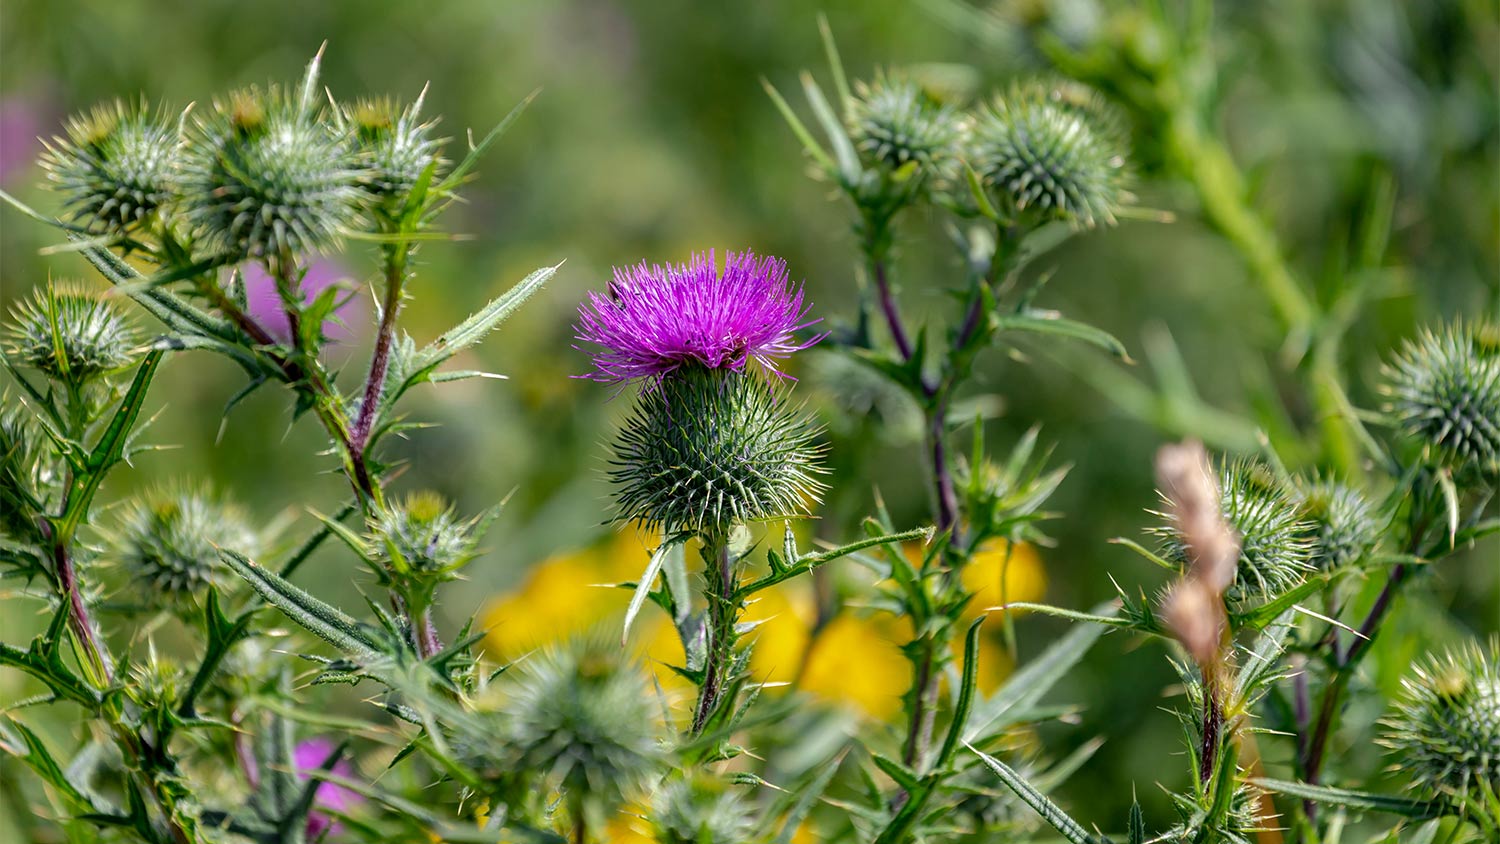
{"points": [[891, 310], [381, 359]]}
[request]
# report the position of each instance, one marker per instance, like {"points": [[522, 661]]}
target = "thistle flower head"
{"points": [[1342, 522], [895, 124], [656, 320], [703, 452], [70, 333], [168, 541], [115, 167], [1051, 150], [264, 176], [1445, 731], [582, 718], [422, 534], [1443, 389], [396, 146], [1274, 550], [20, 472], [694, 812]]}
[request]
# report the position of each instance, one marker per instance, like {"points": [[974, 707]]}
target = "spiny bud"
{"points": [[1051, 150], [116, 166], [1445, 732], [896, 125], [705, 450], [422, 535], [1273, 546], [168, 541], [697, 812], [581, 718], [21, 473], [70, 334], [1341, 521], [1444, 391], [264, 177], [396, 147]]}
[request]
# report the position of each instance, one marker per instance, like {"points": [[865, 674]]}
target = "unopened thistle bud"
{"points": [[168, 542], [422, 535], [1445, 732], [898, 128], [1443, 390], [20, 473], [116, 166], [70, 334], [704, 451], [1342, 522], [582, 718], [696, 812], [265, 177], [1051, 150], [1273, 547], [395, 146]]}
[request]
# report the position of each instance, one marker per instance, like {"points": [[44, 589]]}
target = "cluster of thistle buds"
{"points": [[263, 173], [1039, 151]]}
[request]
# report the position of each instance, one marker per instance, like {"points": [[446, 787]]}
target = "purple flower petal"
{"points": [[309, 756], [265, 303], [654, 319]]}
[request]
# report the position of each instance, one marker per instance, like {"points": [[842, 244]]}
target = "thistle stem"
{"points": [[1212, 724], [722, 618], [395, 275], [890, 309]]}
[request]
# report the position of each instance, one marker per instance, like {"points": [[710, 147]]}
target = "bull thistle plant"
{"points": [[195, 675]]}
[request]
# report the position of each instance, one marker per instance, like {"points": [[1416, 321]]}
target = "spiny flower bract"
{"points": [[583, 718], [655, 320], [1274, 547], [704, 451], [395, 145], [695, 812], [894, 123], [1342, 523], [422, 534], [1051, 150], [70, 333], [116, 167], [1443, 390], [264, 176], [1445, 732], [168, 541]]}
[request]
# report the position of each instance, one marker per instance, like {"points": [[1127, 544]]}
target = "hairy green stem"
{"points": [[722, 618]]}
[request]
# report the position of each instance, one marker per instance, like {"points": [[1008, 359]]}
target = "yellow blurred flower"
{"points": [[856, 661], [1001, 573]]}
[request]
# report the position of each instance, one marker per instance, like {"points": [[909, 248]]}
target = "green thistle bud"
{"points": [[70, 334], [1445, 732], [422, 535], [698, 813], [1052, 151], [21, 473], [1444, 392], [116, 168], [1274, 549], [705, 450], [264, 177], [582, 718], [168, 542], [395, 145], [897, 127], [1343, 528]]}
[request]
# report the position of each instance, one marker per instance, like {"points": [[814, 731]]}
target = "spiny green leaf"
{"points": [[1050, 812], [322, 620], [1390, 804]]}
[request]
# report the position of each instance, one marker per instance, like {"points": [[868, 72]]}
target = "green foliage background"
{"points": [[653, 137]]}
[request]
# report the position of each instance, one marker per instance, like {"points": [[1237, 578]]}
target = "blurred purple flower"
{"points": [[265, 303], [20, 124], [310, 756], [657, 319]]}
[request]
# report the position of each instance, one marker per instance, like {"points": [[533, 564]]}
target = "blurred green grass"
{"points": [[652, 137]]}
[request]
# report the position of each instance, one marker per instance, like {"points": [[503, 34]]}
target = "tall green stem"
{"points": [[722, 616]]}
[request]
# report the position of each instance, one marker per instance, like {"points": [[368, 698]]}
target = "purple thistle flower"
{"points": [[309, 756], [655, 320]]}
